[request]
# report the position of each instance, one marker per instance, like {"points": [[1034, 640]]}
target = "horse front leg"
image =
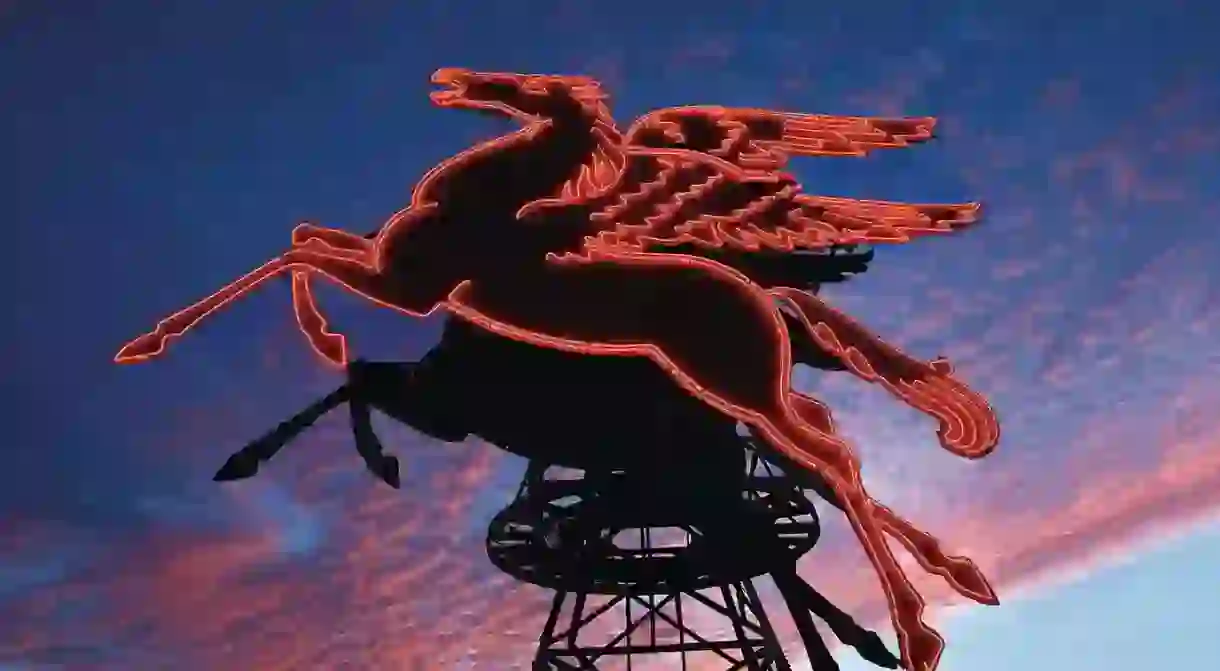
{"points": [[330, 346], [245, 462], [361, 392], [374, 384], [369, 447], [356, 275]]}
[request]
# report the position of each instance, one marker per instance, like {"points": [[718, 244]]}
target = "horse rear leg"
{"points": [[960, 572], [726, 343], [968, 424], [921, 645], [723, 340]]}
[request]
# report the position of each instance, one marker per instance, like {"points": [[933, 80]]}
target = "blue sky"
{"points": [[153, 151], [1155, 609]]}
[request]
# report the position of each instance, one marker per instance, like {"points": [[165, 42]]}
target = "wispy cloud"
{"points": [[1085, 307]]}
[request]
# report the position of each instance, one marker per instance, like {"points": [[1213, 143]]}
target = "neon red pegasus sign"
{"points": [[566, 234]]}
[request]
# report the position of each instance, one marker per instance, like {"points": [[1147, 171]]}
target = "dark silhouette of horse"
{"points": [[552, 236], [537, 403]]}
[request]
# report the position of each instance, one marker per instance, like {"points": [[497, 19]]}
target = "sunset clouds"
{"points": [[1086, 306]]}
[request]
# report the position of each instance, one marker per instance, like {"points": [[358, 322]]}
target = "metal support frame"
{"points": [[751, 644]]}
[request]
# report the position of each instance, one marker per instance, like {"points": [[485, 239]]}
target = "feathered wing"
{"points": [[710, 178], [673, 198], [760, 141]]}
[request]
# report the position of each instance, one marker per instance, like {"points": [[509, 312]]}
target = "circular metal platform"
{"points": [[615, 534]]}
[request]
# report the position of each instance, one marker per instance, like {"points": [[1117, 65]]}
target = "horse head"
{"points": [[573, 126], [529, 98]]}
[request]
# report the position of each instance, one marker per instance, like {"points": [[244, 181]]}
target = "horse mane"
{"points": [[605, 165]]}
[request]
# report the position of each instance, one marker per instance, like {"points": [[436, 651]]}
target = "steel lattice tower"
{"points": [[630, 557]]}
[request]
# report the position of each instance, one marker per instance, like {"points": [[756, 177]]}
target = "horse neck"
{"points": [[511, 171], [554, 157]]}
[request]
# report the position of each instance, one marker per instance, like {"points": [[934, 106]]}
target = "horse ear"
{"points": [[941, 365]]}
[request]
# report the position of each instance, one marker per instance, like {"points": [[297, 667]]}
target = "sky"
{"points": [[153, 151], [1126, 631]]}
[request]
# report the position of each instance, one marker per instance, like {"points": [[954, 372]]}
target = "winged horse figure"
{"points": [[574, 235]]}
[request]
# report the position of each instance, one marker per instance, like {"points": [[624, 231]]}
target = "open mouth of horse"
{"points": [[458, 90], [452, 85], [496, 97]]}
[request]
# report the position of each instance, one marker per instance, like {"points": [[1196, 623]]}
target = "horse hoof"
{"points": [[873, 650], [388, 471], [332, 347], [969, 581], [922, 649], [237, 467], [141, 349]]}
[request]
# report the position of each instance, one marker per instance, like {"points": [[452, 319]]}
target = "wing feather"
{"points": [[674, 198], [761, 140]]}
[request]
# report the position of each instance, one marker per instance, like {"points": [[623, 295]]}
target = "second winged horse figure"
{"points": [[573, 234]]}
